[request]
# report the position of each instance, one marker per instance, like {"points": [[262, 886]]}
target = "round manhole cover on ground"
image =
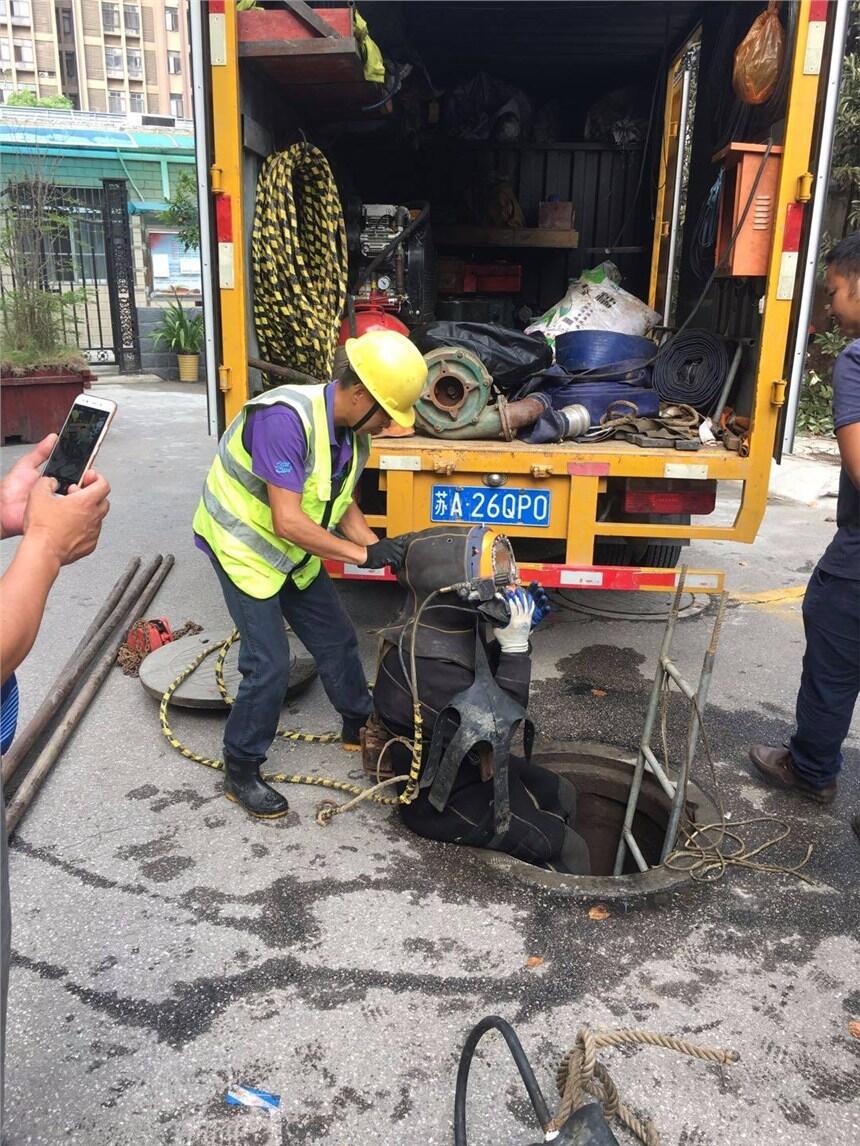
{"points": [[601, 776], [161, 668]]}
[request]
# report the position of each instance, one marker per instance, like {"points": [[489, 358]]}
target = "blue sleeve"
{"points": [[846, 386], [278, 447]]}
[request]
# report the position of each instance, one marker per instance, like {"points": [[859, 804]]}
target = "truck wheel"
{"points": [[659, 555]]}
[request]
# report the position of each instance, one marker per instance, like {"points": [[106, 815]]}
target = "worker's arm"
{"points": [[57, 531], [293, 524], [353, 525], [515, 664], [848, 438]]}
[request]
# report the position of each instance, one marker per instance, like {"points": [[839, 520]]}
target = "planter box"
{"points": [[37, 404]]}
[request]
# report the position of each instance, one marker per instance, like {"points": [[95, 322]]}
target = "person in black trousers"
{"points": [[830, 682]]}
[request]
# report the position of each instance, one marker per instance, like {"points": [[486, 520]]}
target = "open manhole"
{"points": [[601, 776]]}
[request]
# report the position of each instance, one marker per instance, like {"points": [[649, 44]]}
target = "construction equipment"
{"points": [[676, 790]]}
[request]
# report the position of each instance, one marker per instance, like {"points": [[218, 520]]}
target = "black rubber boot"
{"points": [[350, 735], [242, 785]]}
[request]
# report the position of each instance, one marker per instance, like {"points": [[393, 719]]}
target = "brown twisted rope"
{"points": [[580, 1073]]}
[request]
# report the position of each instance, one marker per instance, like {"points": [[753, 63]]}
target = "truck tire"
{"points": [[659, 555]]}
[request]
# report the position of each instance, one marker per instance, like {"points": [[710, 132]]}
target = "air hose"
{"points": [[300, 262]]}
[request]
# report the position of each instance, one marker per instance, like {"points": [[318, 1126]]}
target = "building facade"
{"points": [[114, 56]]}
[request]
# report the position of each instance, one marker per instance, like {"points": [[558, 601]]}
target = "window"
{"points": [[66, 21], [71, 64], [116, 102], [176, 106], [110, 17], [113, 59], [171, 19], [4, 8], [135, 102], [24, 52], [5, 52], [131, 16], [20, 11], [135, 63], [174, 63]]}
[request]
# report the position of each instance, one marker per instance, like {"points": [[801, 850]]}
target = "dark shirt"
{"points": [[842, 556]]}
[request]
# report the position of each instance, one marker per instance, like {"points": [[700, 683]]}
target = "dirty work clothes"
{"points": [[539, 826], [321, 624], [830, 682]]}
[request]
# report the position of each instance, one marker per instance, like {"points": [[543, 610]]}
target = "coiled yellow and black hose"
{"points": [[300, 261]]}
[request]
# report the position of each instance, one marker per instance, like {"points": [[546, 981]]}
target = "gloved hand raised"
{"points": [[542, 603], [389, 551], [514, 637]]}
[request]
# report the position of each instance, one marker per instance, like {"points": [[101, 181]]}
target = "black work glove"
{"points": [[389, 551]]}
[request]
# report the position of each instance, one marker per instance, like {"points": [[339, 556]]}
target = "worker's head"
{"points": [[385, 374], [843, 284]]}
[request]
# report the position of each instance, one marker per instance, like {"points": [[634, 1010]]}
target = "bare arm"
{"points": [[354, 527], [849, 450], [25, 587], [294, 525]]}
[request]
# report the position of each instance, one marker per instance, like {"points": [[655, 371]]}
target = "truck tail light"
{"points": [[669, 496]]}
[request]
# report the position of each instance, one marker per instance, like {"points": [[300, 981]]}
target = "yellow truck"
{"points": [[631, 116]]}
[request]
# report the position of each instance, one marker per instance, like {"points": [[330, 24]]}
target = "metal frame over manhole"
{"points": [[602, 775]]}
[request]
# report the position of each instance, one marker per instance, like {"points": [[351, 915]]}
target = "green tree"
{"points": [[182, 212], [25, 98]]}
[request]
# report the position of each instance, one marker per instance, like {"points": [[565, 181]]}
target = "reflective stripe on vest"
{"points": [[234, 516]]}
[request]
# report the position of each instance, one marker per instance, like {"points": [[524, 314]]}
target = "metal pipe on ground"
{"points": [[112, 612], [46, 759]]}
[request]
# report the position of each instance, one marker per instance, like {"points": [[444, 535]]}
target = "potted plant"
{"points": [[182, 332], [40, 374]]}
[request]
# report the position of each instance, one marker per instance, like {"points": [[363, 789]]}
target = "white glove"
{"points": [[514, 637]]}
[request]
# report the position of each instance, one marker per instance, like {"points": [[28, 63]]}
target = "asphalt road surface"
{"points": [[167, 947]]}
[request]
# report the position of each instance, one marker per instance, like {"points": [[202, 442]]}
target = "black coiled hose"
{"points": [[691, 368]]}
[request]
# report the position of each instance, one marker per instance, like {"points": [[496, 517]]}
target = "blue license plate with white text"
{"points": [[476, 505]]}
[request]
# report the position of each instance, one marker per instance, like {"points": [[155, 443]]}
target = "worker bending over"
{"points": [[472, 692], [282, 480]]}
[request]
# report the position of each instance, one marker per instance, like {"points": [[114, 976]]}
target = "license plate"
{"points": [[478, 506]]}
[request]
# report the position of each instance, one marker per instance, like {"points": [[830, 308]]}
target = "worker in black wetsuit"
{"points": [[473, 694]]}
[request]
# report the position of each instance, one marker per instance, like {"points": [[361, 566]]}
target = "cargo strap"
{"points": [[674, 426]]}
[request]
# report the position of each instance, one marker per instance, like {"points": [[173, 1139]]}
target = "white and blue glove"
{"points": [[514, 637], [542, 603]]}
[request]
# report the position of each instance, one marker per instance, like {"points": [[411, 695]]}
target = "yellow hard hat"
{"points": [[392, 370]]}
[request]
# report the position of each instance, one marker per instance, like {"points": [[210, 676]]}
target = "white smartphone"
{"points": [[79, 441]]}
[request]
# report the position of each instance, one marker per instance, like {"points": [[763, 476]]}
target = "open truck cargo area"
{"points": [[542, 140]]}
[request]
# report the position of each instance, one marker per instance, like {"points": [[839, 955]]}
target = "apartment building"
{"points": [[109, 56]]}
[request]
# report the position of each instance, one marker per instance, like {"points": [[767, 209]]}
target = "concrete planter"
{"points": [[35, 404]]}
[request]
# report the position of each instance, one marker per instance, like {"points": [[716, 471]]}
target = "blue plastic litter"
{"points": [[249, 1096]]}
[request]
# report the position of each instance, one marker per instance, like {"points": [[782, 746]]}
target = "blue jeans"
{"points": [[831, 676], [322, 625]]}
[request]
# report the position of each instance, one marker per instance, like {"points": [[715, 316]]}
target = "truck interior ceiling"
{"points": [[493, 114]]}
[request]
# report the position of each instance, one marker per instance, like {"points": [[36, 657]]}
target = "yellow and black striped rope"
{"points": [[286, 734], [300, 261]]}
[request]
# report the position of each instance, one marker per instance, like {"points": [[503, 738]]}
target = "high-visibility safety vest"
{"points": [[234, 516]]}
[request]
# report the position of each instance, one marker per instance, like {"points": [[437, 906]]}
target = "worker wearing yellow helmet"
{"points": [[283, 478]]}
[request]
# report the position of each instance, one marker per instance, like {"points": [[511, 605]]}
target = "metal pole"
{"points": [[199, 13], [651, 716], [816, 221], [676, 194]]}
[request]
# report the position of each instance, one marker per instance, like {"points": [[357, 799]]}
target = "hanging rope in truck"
{"points": [[300, 262]]}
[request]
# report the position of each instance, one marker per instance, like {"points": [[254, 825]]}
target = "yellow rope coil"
{"points": [[300, 261], [325, 812]]}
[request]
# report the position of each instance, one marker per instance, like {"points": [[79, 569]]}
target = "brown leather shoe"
{"points": [[776, 767]]}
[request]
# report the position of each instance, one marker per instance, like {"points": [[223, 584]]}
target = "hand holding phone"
{"points": [[79, 441], [68, 526]]}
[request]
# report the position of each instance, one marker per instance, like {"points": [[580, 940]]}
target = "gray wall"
{"points": [[156, 359]]}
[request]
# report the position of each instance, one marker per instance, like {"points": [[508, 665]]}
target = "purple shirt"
{"points": [[275, 438]]}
